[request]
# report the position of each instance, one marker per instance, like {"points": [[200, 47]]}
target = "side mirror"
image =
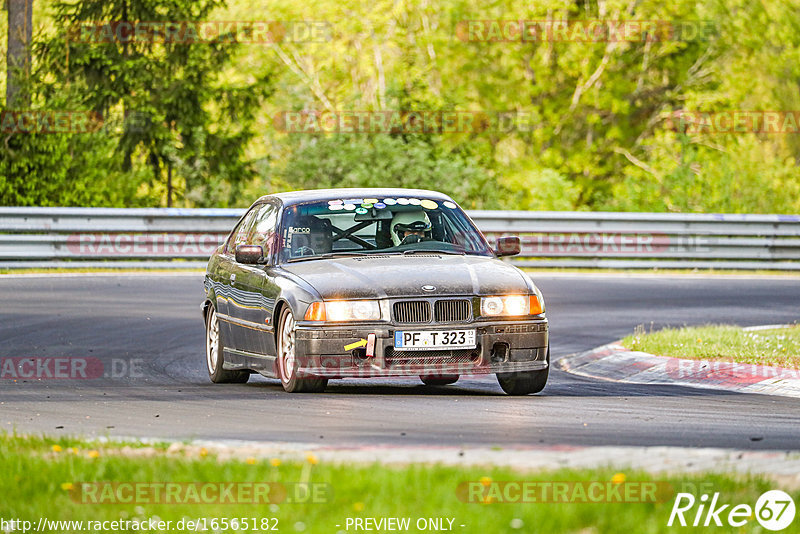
{"points": [[249, 254], [508, 246]]}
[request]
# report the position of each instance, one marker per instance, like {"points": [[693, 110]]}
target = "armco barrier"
{"points": [[184, 238]]}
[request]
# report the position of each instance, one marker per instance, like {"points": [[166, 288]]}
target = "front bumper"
{"points": [[502, 347]]}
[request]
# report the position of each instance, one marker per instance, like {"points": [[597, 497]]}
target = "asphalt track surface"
{"points": [[155, 321]]}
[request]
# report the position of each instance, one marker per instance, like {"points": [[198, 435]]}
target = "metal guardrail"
{"points": [[184, 238]]}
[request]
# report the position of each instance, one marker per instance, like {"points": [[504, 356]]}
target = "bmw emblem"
{"points": [[429, 288]]}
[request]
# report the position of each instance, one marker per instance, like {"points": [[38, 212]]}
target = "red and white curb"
{"points": [[616, 363]]}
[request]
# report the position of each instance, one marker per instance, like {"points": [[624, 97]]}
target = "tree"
{"points": [[320, 161], [18, 56], [190, 125]]}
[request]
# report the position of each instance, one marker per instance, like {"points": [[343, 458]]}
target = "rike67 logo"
{"points": [[774, 510]]}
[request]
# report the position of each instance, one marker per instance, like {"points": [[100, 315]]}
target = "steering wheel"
{"points": [[413, 238]]}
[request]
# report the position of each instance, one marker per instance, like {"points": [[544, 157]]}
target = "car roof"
{"points": [[311, 195]]}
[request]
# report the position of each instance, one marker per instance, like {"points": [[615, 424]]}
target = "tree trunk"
{"points": [[169, 184], [155, 164], [18, 58]]}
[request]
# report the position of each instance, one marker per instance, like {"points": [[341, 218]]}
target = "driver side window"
{"points": [[239, 236], [262, 231]]}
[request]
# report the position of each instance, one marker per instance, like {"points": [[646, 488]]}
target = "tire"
{"points": [[525, 382], [443, 380], [215, 354], [288, 361]]}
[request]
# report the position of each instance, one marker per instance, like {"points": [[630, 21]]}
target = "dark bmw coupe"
{"points": [[341, 283]]}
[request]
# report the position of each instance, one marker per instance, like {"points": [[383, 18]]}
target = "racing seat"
{"points": [[310, 236], [383, 237]]}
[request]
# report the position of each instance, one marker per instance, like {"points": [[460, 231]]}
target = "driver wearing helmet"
{"points": [[410, 227]]}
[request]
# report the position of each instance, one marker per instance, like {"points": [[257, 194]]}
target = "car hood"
{"points": [[382, 276]]}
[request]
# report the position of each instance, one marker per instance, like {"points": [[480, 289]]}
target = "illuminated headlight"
{"points": [[344, 310], [510, 305]]}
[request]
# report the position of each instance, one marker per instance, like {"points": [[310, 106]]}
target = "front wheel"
{"points": [[288, 362], [525, 382], [215, 355]]}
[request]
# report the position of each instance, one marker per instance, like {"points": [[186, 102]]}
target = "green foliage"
{"points": [[540, 190], [595, 133], [740, 176], [597, 110], [386, 161], [176, 119], [66, 170]]}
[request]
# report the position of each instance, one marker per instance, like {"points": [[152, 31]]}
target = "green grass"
{"points": [[779, 347], [41, 477]]}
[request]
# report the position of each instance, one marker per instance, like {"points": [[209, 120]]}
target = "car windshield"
{"points": [[358, 226]]}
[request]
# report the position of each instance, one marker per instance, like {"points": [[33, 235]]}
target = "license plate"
{"points": [[434, 339]]}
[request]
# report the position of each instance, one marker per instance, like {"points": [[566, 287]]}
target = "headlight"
{"points": [[511, 305], [344, 310]]}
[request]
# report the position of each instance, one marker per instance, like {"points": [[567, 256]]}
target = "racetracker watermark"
{"points": [[134, 245], [69, 368], [43, 121], [405, 121], [727, 371], [142, 524], [734, 122], [584, 31], [179, 493], [38, 121], [586, 492], [201, 32], [585, 244]]}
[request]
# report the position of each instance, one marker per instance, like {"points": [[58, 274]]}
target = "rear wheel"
{"points": [[438, 380], [525, 382], [215, 354], [288, 361]]}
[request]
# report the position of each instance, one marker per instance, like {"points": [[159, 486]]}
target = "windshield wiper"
{"points": [[432, 251], [326, 255]]}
